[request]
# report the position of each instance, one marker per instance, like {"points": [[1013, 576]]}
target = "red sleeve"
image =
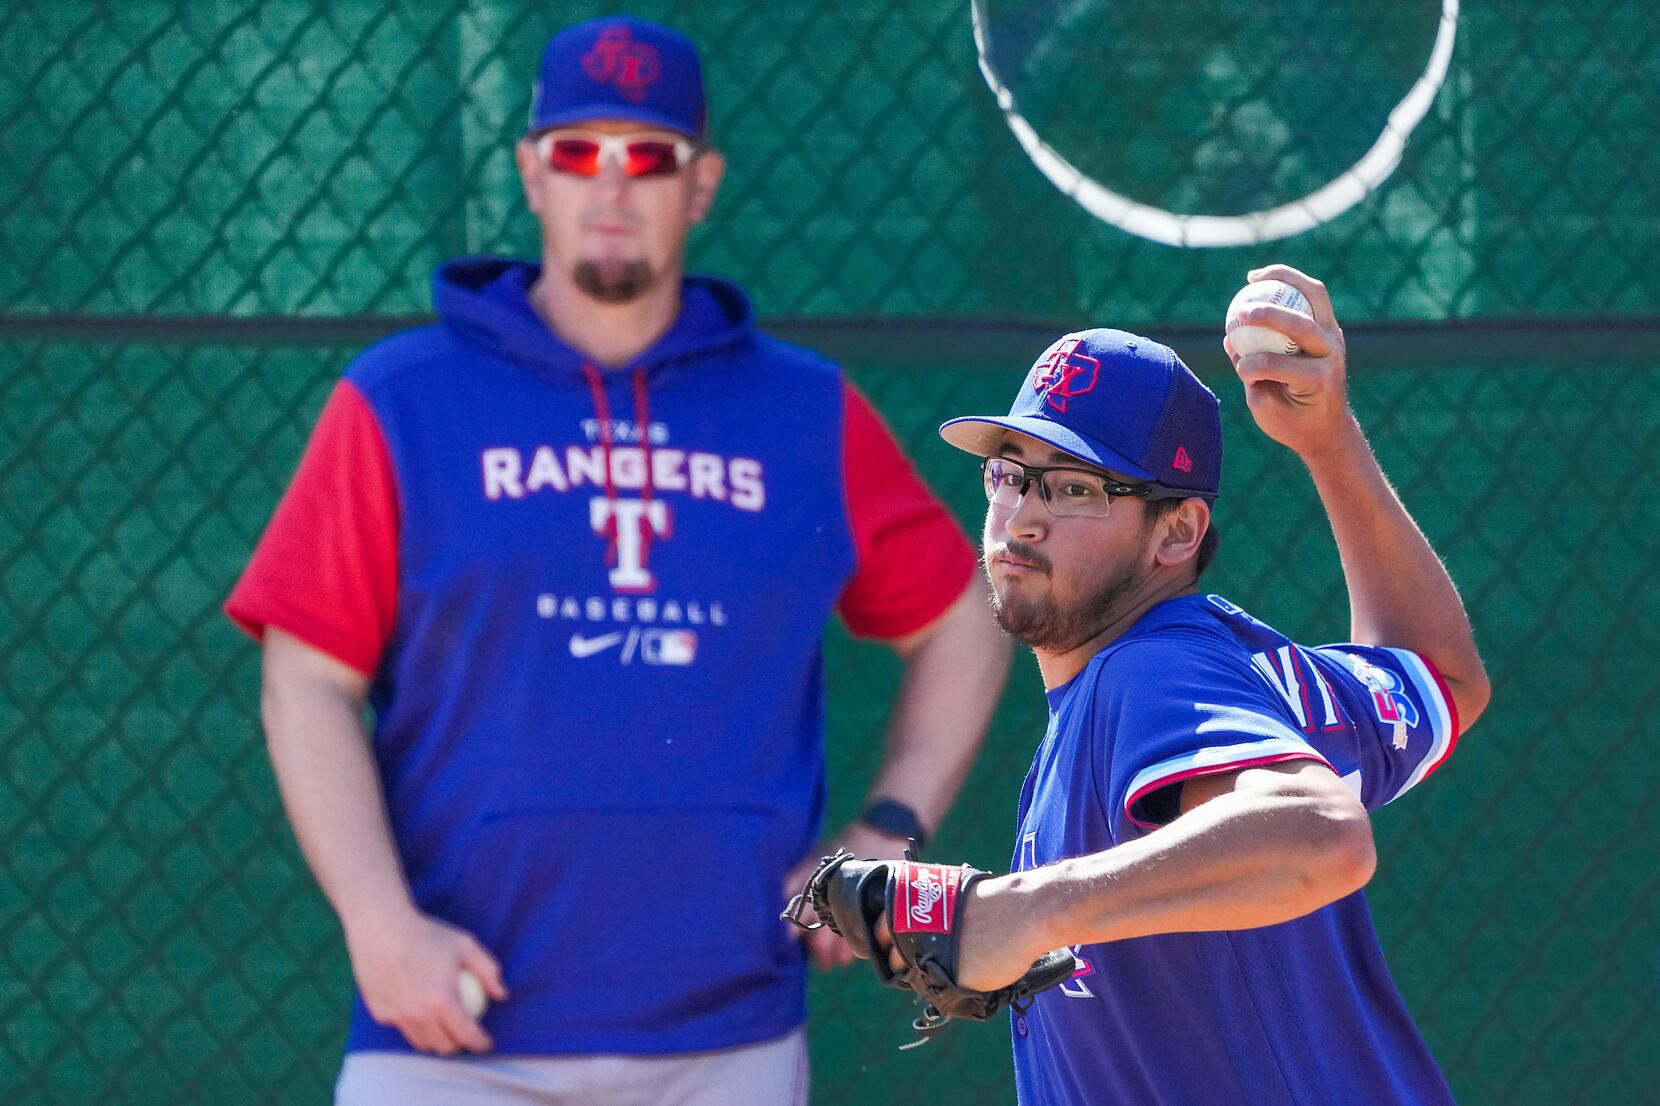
{"points": [[913, 560], [326, 569]]}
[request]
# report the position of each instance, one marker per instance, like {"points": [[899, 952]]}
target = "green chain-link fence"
{"points": [[205, 208], [317, 159]]}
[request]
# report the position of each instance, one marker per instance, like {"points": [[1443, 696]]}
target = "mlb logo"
{"points": [[1224, 606], [677, 647]]}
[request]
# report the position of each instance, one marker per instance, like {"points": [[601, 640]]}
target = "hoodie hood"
{"points": [[486, 300]]}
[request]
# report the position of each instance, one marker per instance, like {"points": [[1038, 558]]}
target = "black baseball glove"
{"points": [[922, 903]]}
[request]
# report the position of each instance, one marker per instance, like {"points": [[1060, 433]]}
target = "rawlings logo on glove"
{"points": [[927, 886], [922, 905]]}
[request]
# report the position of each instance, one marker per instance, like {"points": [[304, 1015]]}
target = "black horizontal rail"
{"points": [[931, 340]]}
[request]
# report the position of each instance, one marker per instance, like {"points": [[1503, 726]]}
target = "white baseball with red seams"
{"points": [[1247, 340]]}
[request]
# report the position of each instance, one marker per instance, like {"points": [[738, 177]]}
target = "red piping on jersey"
{"points": [[1452, 715], [1212, 770], [1446, 697], [642, 421]]}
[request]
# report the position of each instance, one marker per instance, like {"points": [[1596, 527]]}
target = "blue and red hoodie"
{"points": [[591, 602]]}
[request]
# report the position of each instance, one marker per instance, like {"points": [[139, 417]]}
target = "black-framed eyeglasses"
{"points": [[1066, 491]]}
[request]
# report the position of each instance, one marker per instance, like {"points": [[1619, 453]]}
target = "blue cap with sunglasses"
{"points": [[620, 68], [1117, 401]]}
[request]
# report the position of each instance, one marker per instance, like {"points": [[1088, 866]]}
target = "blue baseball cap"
{"points": [[1117, 401], [620, 68]]}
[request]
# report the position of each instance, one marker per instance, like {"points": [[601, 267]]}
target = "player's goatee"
{"points": [[1042, 625], [613, 282]]}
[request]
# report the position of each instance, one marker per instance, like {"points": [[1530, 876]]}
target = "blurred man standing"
{"points": [[576, 545]]}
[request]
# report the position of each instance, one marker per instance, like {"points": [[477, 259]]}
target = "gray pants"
{"points": [[771, 1073]]}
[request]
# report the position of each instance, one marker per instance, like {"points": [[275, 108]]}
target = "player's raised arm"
{"points": [[1399, 592]]}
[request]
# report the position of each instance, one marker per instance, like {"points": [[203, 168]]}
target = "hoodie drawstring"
{"points": [[642, 421]]}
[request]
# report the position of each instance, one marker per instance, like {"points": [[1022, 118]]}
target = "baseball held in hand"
{"points": [[1247, 340], [472, 994]]}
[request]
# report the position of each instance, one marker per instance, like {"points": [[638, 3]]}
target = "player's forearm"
{"points": [[1239, 861], [331, 790], [953, 679], [1399, 592]]}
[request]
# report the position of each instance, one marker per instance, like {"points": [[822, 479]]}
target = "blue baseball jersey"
{"points": [[1300, 1013], [592, 605]]}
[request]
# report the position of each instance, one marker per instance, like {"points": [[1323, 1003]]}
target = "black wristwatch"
{"points": [[896, 819]]}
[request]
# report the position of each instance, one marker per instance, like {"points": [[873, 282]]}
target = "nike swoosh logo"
{"points": [[588, 646]]}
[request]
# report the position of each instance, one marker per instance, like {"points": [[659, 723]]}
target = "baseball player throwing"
{"points": [[1194, 825]]}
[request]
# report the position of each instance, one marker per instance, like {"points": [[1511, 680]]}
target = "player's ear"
{"points": [[530, 171], [1180, 531], [707, 169]]}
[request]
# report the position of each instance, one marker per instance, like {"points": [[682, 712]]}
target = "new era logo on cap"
{"points": [[1182, 463]]}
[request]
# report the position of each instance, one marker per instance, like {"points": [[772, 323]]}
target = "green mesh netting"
{"points": [[197, 202]]}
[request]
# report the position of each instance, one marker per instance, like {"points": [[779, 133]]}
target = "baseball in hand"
{"points": [[472, 994], [1247, 340]]}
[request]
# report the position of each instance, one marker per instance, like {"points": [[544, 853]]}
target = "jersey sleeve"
{"points": [[326, 569], [912, 559], [1404, 721], [1178, 709]]}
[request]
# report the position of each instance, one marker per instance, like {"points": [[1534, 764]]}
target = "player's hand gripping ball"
{"points": [[922, 904], [473, 998], [1246, 340]]}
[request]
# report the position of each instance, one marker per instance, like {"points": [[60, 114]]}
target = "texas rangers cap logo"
{"points": [[618, 59], [1066, 374]]}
